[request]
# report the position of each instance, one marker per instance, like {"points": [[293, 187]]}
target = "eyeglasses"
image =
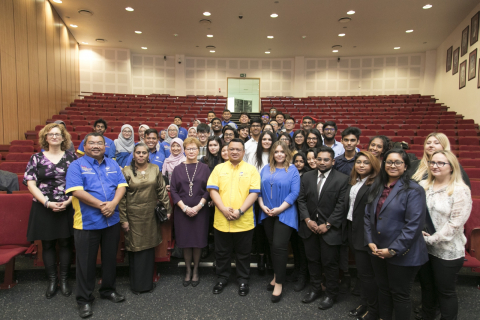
{"points": [[307, 122], [191, 149], [228, 134], [397, 163], [439, 164], [99, 143], [265, 117], [54, 135], [329, 130]]}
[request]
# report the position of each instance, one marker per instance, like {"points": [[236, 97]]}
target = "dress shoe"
{"points": [[218, 288], [195, 283], [275, 298], [326, 303], [261, 263], [357, 289], [368, 316], [358, 311], [301, 283], [52, 281], [85, 311], [186, 283], [243, 289], [65, 288], [311, 296], [115, 297], [270, 287]]}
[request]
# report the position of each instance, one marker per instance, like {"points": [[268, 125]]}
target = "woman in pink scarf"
{"points": [[177, 156]]}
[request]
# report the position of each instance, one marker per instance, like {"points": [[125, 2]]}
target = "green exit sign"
{"points": [[243, 75]]}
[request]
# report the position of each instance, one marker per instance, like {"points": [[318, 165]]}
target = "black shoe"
{"points": [[195, 283], [368, 316], [311, 296], [270, 287], [275, 298], [344, 286], [52, 281], [186, 283], [65, 288], [115, 297], [326, 303], [85, 311], [357, 289], [243, 289], [358, 311], [300, 285], [218, 288], [261, 263]]}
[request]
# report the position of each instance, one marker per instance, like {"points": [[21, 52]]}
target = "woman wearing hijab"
{"points": [[141, 132], [172, 133], [163, 134], [124, 145], [176, 157], [192, 132]]}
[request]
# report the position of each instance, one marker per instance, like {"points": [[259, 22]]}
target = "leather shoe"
{"points": [[270, 287], [368, 316], [311, 296], [115, 297], [243, 289], [218, 288], [358, 311], [300, 285], [326, 303], [275, 298], [85, 311]]}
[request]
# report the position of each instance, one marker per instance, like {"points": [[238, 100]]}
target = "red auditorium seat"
{"points": [[475, 141], [18, 156], [80, 123], [401, 139], [21, 148], [472, 163], [448, 133], [21, 142], [374, 127], [473, 173], [470, 154], [14, 214], [461, 126], [405, 133], [391, 127], [475, 188], [409, 126], [467, 133], [83, 129]]}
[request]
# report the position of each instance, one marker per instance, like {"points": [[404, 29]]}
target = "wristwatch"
{"points": [[392, 252], [241, 212], [328, 226]]}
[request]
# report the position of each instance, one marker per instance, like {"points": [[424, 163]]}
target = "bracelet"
{"points": [[46, 204], [201, 204], [309, 221], [185, 208]]}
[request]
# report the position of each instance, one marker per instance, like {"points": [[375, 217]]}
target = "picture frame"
{"points": [[474, 28], [462, 75], [472, 65], [456, 57], [464, 43], [478, 78], [449, 59]]}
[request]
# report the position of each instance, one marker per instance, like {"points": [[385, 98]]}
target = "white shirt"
{"points": [[353, 195], [253, 161], [324, 179], [250, 147]]}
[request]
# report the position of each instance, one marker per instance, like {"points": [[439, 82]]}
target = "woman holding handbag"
{"points": [[146, 188]]}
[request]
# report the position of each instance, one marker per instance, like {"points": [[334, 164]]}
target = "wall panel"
{"points": [[33, 63], [42, 60]]}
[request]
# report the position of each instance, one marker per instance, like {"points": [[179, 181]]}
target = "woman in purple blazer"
{"points": [[394, 219]]}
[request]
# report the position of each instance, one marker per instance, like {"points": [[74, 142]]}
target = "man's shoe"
{"points": [[218, 288], [300, 285], [368, 316], [358, 311], [85, 311], [311, 296], [243, 289], [326, 303], [115, 297]]}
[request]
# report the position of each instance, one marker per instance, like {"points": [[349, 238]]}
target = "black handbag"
{"points": [[161, 213]]}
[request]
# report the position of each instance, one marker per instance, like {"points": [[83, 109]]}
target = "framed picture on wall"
{"points": [[478, 78], [462, 77], [474, 27], [472, 65], [464, 44], [449, 58], [455, 60]]}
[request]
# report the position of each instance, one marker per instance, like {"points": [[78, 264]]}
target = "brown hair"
{"points": [[191, 140], [374, 162], [288, 156], [42, 136]]}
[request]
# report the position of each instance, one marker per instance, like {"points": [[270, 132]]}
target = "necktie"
{"points": [[319, 184]]}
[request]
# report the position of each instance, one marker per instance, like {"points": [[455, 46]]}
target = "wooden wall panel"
{"points": [[33, 64], [49, 34], [42, 62], [58, 62], [63, 64]]}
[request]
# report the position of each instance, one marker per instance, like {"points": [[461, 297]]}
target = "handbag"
{"points": [[161, 213]]}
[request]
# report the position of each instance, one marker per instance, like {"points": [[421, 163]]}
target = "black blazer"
{"points": [[326, 208], [358, 221]]}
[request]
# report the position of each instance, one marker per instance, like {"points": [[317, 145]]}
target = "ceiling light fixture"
{"points": [[304, 37], [409, 31], [334, 50], [129, 8], [270, 37], [351, 12], [84, 42], [396, 48], [175, 34], [207, 14], [144, 48], [212, 51], [73, 26], [273, 15], [138, 32], [267, 52], [57, 1], [210, 35], [341, 34], [427, 6]]}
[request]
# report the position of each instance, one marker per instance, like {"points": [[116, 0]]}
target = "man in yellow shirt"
{"points": [[234, 187]]}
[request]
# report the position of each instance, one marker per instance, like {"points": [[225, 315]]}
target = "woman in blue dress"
{"points": [[124, 145], [280, 189]]}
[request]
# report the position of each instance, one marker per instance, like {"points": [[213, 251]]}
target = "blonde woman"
{"points": [[449, 204], [280, 183]]}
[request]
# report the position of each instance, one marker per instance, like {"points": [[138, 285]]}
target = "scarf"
{"points": [[172, 161], [191, 129], [146, 128], [167, 137], [122, 144]]}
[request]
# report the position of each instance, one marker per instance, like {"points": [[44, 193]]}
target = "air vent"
{"points": [[210, 47], [205, 22], [345, 20], [101, 40], [336, 46], [85, 12]]}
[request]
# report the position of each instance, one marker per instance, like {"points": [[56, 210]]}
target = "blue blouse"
{"points": [[279, 187]]}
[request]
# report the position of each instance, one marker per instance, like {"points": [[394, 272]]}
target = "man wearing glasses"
{"points": [[229, 134], [329, 132], [255, 131], [203, 131], [265, 118]]}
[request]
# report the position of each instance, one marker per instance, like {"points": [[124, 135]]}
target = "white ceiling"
{"points": [[376, 27]]}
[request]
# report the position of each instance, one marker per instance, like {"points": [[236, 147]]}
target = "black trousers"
{"points": [[439, 278], [394, 285], [278, 235], [322, 256], [299, 255], [142, 266], [225, 244], [50, 252], [86, 245], [261, 242]]}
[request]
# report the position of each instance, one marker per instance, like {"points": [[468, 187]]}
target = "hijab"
{"points": [[194, 128], [122, 144], [167, 137], [146, 128], [160, 135], [172, 161]]}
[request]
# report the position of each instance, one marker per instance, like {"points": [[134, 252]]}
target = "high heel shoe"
{"points": [[186, 283], [270, 287], [275, 298]]}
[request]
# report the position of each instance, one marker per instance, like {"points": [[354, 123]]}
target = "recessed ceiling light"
{"points": [[212, 51], [427, 6], [84, 42], [57, 1], [144, 48], [207, 14], [270, 37], [175, 34], [138, 32], [334, 50], [341, 34], [210, 35], [304, 37], [351, 12], [409, 31], [273, 15], [396, 48], [267, 52], [73, 26], [129, 8]]}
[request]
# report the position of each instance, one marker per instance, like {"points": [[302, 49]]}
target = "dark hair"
{"points": [[266, 114], [209, 158], [318, 135], [92, 134], [326, 149], [279, 114], [382, 178], [227, 127], [151, 130], [306, 167], [272, 121], [242, 126], [290, 118], [303, 147], [331, 124], [244, 113], [352, 130], [238, 140], [256, 120], [259, 151], [203, 127], [272, 109], [132, 164], [211, 111], [216, 119], [100, 121], [308, 118], [289, 137], [314, 150], [226, 110], [387, 144], [177, 117]]}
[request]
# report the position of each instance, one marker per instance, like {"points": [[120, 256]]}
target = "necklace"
{"points": [[190, 191], [272, 182]]}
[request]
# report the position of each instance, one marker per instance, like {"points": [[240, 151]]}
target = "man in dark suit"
{"points": [[321, 207]]}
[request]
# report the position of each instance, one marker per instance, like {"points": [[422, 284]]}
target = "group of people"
{"points": [[274, 186]]}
